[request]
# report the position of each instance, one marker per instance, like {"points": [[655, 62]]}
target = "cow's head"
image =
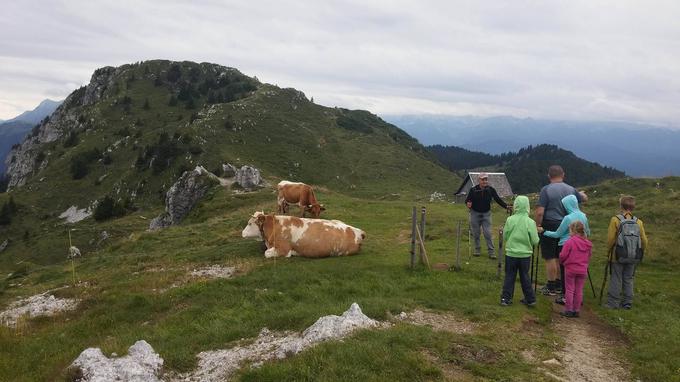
{"points": [[254, 227], [315, 209]]}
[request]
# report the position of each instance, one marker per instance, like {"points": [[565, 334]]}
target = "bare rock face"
{"points": [[21, 161], [142, 364], [4, 245], [229, 170], [249, 178], [183, 196]]}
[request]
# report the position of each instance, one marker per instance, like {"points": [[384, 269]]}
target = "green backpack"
{"points": [[628, 248]]}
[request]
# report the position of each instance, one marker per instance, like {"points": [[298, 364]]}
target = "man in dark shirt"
{"points": [[479, 203], [548, 216]]}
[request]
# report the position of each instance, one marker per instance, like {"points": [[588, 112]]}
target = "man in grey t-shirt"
{"points": [[548, 216]]}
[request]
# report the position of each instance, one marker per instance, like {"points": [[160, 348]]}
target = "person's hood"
{"points": [[521, 205], [582, 244], [570, 203]]}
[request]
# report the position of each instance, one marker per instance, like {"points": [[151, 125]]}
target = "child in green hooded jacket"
{"points": [[519, 236]]}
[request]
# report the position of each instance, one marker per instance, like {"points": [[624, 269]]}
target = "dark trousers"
{"points": [[512, 266]]}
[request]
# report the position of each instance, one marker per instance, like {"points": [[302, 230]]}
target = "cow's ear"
{"points": [[261, 218]]}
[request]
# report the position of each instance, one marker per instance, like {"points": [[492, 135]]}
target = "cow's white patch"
{"points": [[271, 252], [284, 183], [291, 253], [296, 233], [252, 230]]}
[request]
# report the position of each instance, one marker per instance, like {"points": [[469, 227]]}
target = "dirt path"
{"points": [[590, 348]]}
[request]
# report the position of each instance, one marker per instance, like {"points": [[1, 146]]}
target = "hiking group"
{"points": [[562, 230]]}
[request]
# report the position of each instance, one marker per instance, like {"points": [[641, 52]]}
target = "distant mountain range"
{"points": [[14, 130], [526, 169], [639, 150]]}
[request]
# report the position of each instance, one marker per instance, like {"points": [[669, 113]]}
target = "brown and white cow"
{"points": [[294, 236], [300, 194]]}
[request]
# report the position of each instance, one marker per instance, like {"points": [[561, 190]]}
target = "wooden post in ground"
{"points": [[457, 267], [423, 253], [422, 230], [413, 238]]}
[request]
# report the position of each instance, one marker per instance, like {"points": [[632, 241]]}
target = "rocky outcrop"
{"points": [[183, 196], [249, 178], [39, 305], [21, 161], [74, 215], [229, 170], [219, 365], [142, 364]]}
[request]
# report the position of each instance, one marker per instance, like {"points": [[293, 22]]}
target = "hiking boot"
{"points": [[547, 291], [560, 300], [568, 314], [492, 256], [476, 254], [627, 306], [576, 314], [529, 304], [505, 302]]}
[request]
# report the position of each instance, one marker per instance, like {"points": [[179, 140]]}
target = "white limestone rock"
{"points": [[142, 364]]}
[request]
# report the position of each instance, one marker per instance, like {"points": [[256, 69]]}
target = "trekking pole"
{"points": [[604, 280], [533, 252], [538, 259], [500, 251], [469, 235], [591, 283]]}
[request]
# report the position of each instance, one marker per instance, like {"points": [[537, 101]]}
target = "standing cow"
{"points": [[293, 236], [300, 194]]}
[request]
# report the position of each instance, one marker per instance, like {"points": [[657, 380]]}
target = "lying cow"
{"points": [[293, 236], [300, 194]]}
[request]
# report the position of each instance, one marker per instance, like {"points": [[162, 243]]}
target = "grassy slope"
{"points": [[277, 130], [122, 302]]}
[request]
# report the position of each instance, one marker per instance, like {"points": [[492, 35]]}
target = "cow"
{"points": [[300, 194], [293, 236]]}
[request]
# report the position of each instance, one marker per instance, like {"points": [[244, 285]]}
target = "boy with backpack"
{"points": [[519, 236], [627, 242]]}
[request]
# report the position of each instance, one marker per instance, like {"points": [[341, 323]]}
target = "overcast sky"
{"points": [[590, 60]]}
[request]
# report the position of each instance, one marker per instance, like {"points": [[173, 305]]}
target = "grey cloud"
{"points": [[581, 60]]}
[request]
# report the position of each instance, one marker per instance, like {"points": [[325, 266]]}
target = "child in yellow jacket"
{"points": [[623, 270]]}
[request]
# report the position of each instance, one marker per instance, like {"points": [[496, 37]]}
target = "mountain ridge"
{"points": [[639, 150]]}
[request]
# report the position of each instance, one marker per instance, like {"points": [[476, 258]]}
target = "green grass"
{"points": [[135, 285], [123, 304]]}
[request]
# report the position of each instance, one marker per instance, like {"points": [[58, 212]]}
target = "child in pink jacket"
{"points": [[575, 255]]}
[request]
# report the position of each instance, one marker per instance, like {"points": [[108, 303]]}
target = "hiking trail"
{"points": [[590, 350]]}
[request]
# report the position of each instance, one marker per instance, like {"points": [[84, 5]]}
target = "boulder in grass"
{"points": [[142, 364], [249, 178], [183, 196]]}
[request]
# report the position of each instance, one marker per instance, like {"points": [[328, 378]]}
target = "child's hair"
{"points": [[577, 228], [627, 202]]}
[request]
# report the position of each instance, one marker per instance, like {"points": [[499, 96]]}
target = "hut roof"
{"points": [[497, 180]]}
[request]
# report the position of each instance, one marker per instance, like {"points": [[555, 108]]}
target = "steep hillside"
{"points": [[134, 129], [527, 168], [11, 133]]}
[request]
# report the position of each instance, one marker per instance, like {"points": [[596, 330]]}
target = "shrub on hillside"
{"points": [[80, 163], [71, 139], [107, 208]]}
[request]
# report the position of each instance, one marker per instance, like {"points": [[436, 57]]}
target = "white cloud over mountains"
{"points": [[613, 60]]}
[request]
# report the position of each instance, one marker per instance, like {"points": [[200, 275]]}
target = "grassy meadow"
{"points": [[136, 286]]}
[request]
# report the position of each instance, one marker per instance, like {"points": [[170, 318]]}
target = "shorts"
{"points": [[549, 246]]}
